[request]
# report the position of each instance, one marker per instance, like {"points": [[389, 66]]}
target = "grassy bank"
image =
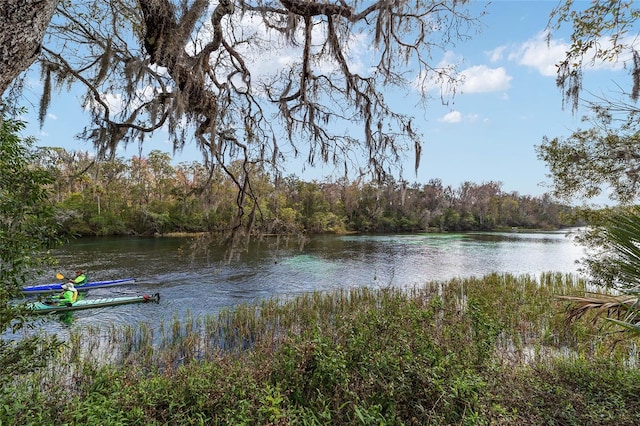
{"points": [[493, 350]]}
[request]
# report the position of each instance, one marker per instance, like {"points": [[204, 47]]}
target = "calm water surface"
{"points": [[202, 283]]}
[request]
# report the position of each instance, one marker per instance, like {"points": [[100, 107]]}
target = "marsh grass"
{"points": [[490, 350]]}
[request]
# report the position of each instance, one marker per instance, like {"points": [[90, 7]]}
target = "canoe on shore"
{"points": [[57, 287], [44, 308]]}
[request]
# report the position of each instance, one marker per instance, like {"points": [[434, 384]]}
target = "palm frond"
{"points": [[622, 232], [622, 307], [619, 263], [633, 328]]}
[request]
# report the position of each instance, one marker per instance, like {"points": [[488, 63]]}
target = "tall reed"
{"points": [[526, 309]]}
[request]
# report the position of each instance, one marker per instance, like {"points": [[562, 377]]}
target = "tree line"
{"points": [[149, 195]]}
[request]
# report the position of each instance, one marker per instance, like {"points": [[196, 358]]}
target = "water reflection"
{"points": [[201, 283]]}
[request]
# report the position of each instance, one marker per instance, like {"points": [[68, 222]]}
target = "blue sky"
{"points": [[508, 103]]}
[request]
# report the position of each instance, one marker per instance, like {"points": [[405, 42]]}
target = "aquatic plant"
{"points": [[490, 350]]}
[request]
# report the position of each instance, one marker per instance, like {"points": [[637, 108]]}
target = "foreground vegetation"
{"points": [[26, 232], [492, 350]]}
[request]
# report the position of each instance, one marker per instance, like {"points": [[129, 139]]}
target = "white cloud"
{"points": [[543, 55], [114, 101], [540, 54], [473, 118], [625, 56], [451, 117], [52, 116], [475, 79], [496, 54], [269, 54], [442, 80], [482, 79], [454, 117]]}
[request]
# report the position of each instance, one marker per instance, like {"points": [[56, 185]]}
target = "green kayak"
{"points": [[45, 308]]}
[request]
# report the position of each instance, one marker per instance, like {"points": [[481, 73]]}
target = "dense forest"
{"points": [[150, 196]]}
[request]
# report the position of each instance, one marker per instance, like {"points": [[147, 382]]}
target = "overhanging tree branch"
{"points": [[188, 66]]}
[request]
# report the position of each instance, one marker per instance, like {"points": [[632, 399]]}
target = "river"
{"points": [[202, 283]]}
